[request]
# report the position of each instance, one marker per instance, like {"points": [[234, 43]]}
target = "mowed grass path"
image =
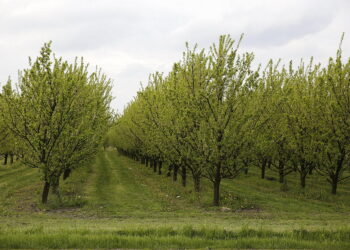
{"points": [[119, 203], [115, 188], [120, 187], [17, 187]]}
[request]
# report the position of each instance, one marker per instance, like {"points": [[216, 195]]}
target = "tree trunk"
{"points": [[170, 167], [5, 158], [281, 180], [160, 165], [303, 180], [56, 189], [183, 175], [146, 163], [216, 201], [175, 169], [155, 166], [263, 168], [66, 173], [335, 177], [310, 172], [11, 158], [217, 177], [246, 164], [45, 193], [217, 180], [334, 185], [197, 183], [281, 171]]}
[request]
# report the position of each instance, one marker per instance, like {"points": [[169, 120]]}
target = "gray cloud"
{"points": [[281, 34], [130, 39]]}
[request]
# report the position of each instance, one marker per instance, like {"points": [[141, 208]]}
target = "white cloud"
{"points": [[130, 39]]}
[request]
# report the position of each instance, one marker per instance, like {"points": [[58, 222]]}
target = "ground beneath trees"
{"points": [[117, 202]]}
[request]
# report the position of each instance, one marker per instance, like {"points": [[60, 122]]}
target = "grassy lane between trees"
{"points": [[119, 203]]}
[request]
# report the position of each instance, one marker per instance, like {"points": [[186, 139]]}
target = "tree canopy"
{"points": [[59, 115], [215, 115]]}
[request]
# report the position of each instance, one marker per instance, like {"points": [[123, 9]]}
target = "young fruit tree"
{"points": [[333, 116], [59, 115]]}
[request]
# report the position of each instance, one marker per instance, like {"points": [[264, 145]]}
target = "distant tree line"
{"points": [[56, 117], [214, 116]]}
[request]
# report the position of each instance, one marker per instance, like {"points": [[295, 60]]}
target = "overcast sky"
{"points": [[130, 39]]}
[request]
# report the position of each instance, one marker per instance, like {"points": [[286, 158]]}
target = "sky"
{"points": [[131, 39]]}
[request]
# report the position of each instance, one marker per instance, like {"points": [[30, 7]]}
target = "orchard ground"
{"points": [[119, 203]]}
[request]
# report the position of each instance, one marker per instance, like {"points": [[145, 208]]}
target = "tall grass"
{"points": [[185, 237]]}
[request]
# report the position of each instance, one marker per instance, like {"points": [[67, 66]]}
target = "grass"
{"points": [[186, 237], [118, 203]]}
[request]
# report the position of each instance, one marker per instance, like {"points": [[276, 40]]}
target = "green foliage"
{"points": [[215, 116], [8, 144], [59, 115]]}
